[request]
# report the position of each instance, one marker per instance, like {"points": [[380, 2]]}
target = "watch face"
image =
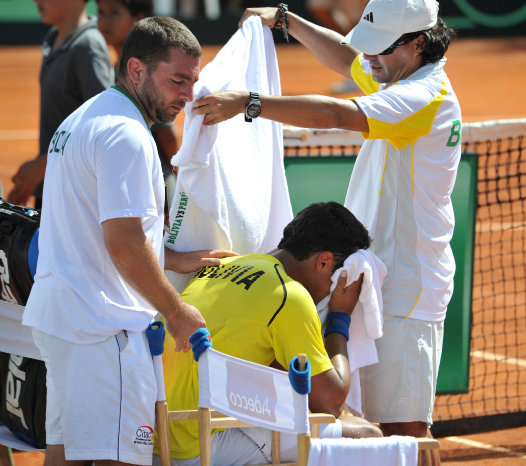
{"points": [[253, 110]]}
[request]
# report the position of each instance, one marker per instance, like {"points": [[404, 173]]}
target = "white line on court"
{"points": [[485, 446], [498, 357], [486, 227], [18, 134]]}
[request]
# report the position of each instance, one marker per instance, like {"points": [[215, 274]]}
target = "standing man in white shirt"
{"points": [[100, 279], [400, 187]]}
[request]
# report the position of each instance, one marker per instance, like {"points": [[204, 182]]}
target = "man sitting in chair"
{"points": [[262, 308]]}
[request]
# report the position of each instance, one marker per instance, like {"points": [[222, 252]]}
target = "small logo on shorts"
{"points": [[144, 435]]}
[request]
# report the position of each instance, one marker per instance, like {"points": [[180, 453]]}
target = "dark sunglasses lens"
{"points": [[389, 50]]}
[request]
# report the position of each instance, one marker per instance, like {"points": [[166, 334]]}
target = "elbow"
{"points": [[330, 404], [116, 250], [335, 410], [120, 249], [124, 239], [338, 403], [328, 408], [328, 392]]}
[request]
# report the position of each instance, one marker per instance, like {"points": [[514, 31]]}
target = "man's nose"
{"points": [[188, 93]]}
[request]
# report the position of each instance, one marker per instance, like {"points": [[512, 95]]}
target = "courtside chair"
{"points": [[238, 393]]}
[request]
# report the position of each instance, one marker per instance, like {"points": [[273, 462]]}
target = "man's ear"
{"points": [[136, 69], [325, 261], [420, 40]]}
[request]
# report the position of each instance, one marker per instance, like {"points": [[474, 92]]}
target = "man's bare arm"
{"points": [[133, 257], [308, 111]]}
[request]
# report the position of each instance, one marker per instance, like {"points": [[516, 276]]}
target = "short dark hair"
{"points": [[324, 226], [151, 39], [436, 42], [138, 7]]}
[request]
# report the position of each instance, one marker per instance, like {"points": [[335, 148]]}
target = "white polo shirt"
{"points": [[102, 164], [401, 185]]}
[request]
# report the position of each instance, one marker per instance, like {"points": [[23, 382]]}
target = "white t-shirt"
{"points": [[401, 186], [102, 164]]}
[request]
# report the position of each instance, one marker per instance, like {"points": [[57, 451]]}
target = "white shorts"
{"points": [[251, 445], [100, 397], [401, 387]]}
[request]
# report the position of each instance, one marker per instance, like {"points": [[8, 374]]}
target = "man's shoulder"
{"points": [[49, 38], [109, 117], [408, 95]]}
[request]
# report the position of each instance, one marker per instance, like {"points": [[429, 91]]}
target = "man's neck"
{"points": [[129, 90], [68, 25], [288, 261], [303, 271]]}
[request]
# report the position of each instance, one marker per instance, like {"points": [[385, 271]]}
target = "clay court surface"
{"points": [[488, 76]]}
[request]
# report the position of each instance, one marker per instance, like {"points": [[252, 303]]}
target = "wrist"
{"points": [[338, 322], [253, 108], [282, 21]]}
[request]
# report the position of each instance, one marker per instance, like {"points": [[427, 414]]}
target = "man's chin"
{"points": [[166, 118]]}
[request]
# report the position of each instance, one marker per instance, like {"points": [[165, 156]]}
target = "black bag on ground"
{"points": [[23, 395], [18, 240], [22, 380]]}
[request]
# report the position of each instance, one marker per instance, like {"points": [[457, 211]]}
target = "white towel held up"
{"points": [[231, 190]]}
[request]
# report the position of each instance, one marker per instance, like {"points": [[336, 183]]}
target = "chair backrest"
{"points": [[250, 392]]}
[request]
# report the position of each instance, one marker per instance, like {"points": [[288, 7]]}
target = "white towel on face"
{"points": [[387, 451], [366, 319], [231, 190]]}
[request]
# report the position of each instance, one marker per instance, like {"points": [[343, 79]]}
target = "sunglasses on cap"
{"points": [[405, 39]]}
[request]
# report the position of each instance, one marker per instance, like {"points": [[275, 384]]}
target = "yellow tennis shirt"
{"points": [[253, 311]]}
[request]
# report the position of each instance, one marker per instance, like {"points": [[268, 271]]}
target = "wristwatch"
{"points": [[253, 108]]}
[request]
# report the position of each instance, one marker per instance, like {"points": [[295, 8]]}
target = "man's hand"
{"points": [[26, 179], [221, 106], [344, 299], [268, 15], [192, 261], [185, 322]]}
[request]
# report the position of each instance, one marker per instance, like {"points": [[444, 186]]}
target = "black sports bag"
{"points": [[23, 396], [22, 380], [18, 251]]}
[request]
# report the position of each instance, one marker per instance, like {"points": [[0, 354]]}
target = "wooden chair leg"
{"points": [[163, 432], [205, 436], [303, 449], [276, 447]]}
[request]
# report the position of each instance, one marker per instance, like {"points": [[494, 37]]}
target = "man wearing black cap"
{"points": [[401, 185]]}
